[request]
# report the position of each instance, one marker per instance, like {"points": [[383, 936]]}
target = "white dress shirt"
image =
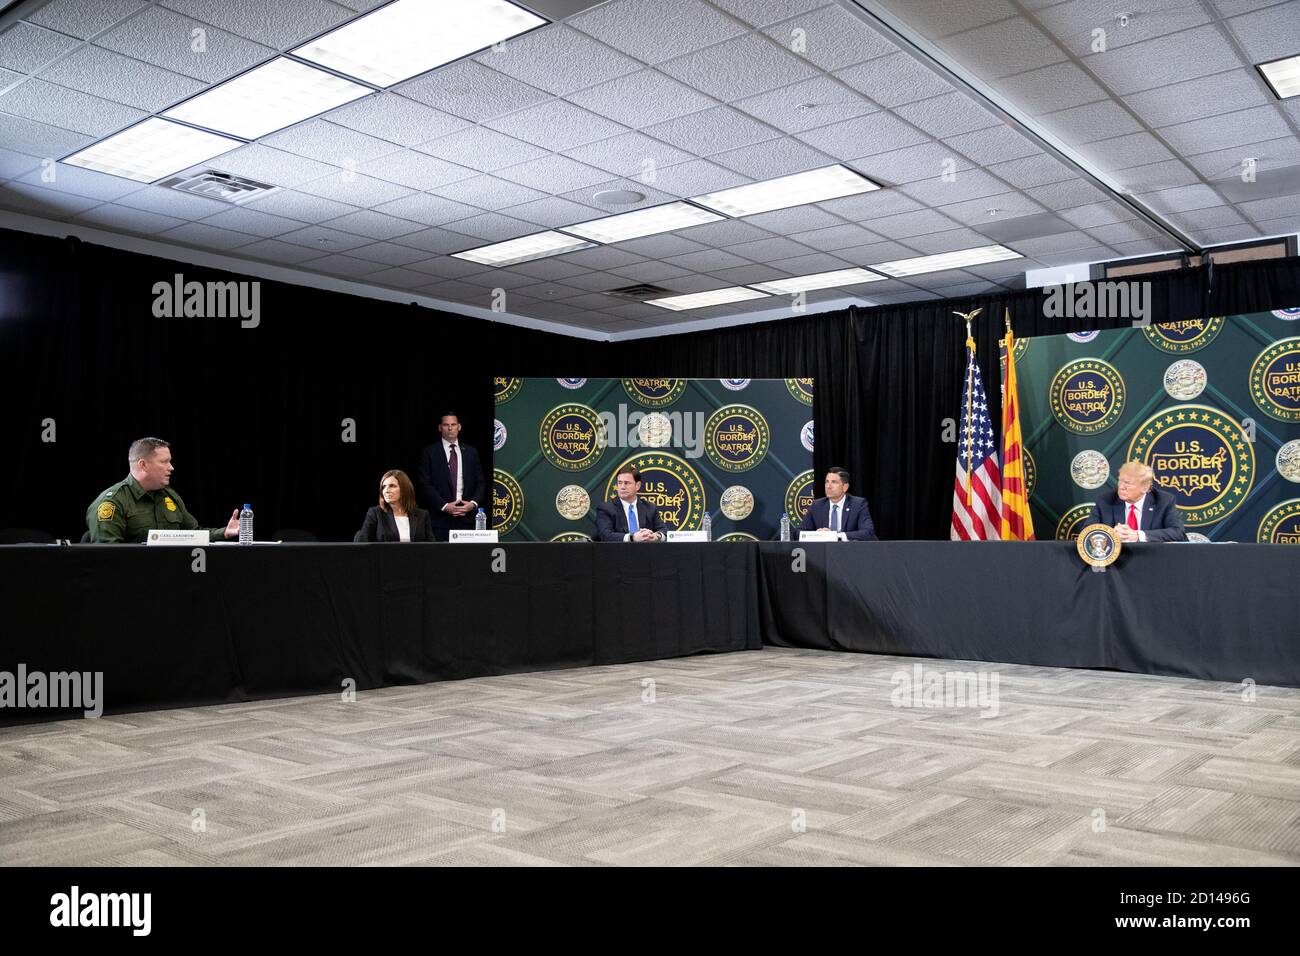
{"points": [[460, 466], [403, 527], [1139, 505]]}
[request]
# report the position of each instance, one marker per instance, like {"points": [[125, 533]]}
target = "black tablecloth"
{"points": [[1219, 612], [277, 620]]}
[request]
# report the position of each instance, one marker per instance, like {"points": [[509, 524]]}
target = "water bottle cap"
{"points": [[480, 510], [247, 506]]}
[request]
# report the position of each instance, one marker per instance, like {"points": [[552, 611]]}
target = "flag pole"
{"points": [[970, 375]]}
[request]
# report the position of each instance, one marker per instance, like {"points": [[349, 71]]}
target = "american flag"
{"points": [[979, 517]]}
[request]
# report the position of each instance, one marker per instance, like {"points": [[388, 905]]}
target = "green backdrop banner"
{"points": [[739, 449], [1212, 405]]}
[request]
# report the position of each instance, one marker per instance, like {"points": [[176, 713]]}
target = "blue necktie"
{"points": [[631, 519]]}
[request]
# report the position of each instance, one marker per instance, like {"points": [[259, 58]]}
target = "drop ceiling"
{"points": [[673, 99]]}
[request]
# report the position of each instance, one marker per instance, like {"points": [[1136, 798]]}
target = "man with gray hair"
{"points": [[1137, 510], [127, 511]]}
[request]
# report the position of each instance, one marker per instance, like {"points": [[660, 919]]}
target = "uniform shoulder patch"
{"points": [[106, 511]]}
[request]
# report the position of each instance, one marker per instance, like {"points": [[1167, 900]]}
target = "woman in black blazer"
{"points": [[395, 518]]}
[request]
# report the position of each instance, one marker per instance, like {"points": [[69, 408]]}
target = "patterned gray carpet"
{"points": [[772, 757]]}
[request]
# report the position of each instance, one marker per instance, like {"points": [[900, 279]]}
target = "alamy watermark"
{"points": [[638, 429], [209, 300], [1100, 300], [60, 690], [936, 689]]}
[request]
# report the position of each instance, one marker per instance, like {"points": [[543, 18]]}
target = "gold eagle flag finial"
{"points": [[968, 318]]}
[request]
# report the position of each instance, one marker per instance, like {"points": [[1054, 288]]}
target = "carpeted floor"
{"points": [[771, 757]]}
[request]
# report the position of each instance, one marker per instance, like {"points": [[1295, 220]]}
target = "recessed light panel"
{"points": [[643, 222], [1283, 75], [524, 249], [151, 150], [822, 280], [946, 260], [700, 300], [815, 185]]}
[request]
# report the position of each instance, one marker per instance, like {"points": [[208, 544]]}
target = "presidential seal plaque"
{"points": [[1098, 545]]}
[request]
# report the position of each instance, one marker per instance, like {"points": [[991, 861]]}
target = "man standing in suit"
{"points": [[628, 518], [840, 511], [450, 480], [1136, 510]]}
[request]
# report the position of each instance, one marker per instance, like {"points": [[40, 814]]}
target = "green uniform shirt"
{"points": [[125, 513]]}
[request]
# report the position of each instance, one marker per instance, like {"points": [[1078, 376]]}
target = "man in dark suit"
{"points": [[1138, 511], [450, 480], [840, 511], [628, 518]]}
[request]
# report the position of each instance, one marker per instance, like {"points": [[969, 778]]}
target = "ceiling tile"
{"points": [[712, 131], [835, 237], [830, 37], [1172, 172], [391, 254], [557, 59], [591, 282], [354, 188], [446, 267], [324, 239], [785, 222], [741, 67], [914, 223], [553, 211], [1124, 232], [642, 99], [69, 109], [938, 18], [819, 101], [1097, 214], [488, 192], [1182, 199], [1272, 154], [481, 148], [1135, 149], [268, 165], [760, 13], [947, 115], [728, 232], [1268, 34], [347, 266], [894, 80], [93, 69], [328, 142], [1051, 88], [650, 272], [401, 278], [1064, 195], [975, 212], [812, 264], [492, 227], [1239, 233], [299, 206], [864, 136], [1032, 171], [80, 182], [243, 219], [163, 38], [436, 241], [206, 237], [126, 219], [1216, 132], [657, 30], [471, 90], [554, 174], [950, 241], [282, 24], [26, 48], [44, 202], [994, 145], [549, 269], [1003, 48], [430, 210], [1073, 23], [375, 225], [765, 250], [169, 202], [14, 164], [696, 178], [1163, 61], [631, 154], [1086, 124], [398, 120], [779, 157], [911, 164], [556, 125], [1197, 99], [629, 253], [968, 184], [83, 18], [872, 205], [415, 170]]}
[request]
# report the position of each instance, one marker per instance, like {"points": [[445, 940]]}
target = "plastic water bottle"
{"points": [[785, 526], [708, 527], [246, 524], [480, 521]]}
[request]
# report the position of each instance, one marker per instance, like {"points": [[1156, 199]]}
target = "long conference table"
{"points": [[264, 621]]}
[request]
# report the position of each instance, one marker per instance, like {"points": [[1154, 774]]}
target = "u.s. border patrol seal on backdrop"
{"points": [[655, 430], [1287, 315], [1201, 455], [801, 389], [1185, 379], [507, 501], [1275, 380], [654, 392], [572, 502], [499, 435], [1098, 545], [1288, 460], [504, 389], [570, 536], [737, 536], [670, 484], [572, 382], [1089, 469], [1281, 525], [1067, 529], [737, 502], [736, 437], [735, 384], [1187, 335], [799, 496], [806, 436], [572, 437], [1087, 396], [1030, 468]]}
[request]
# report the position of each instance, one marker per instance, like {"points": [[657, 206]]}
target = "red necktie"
{"points": [[451, 467], [1132, 516]]}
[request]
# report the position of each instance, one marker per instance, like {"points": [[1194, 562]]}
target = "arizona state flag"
{"points": [[1017, 522]]}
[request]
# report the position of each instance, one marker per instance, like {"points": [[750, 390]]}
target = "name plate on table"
{"points": [[819, 536], [460, 537], [167, 536], [686, 536]]}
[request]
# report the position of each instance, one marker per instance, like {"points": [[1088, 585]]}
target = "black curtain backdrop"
{"points": [[256, 414]]}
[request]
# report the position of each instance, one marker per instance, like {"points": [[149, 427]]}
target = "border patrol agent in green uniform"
{"points": [[127, 511]]}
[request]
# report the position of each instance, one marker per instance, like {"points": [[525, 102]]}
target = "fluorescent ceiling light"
{"points": [[643, 222], [1283, 75], [151, 150], [698, 300], [272, 96], [524, 249], [821, 280], [816, 185], [945, 260], [408, 37]]}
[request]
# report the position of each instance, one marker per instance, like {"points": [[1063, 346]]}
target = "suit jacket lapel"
{"points": [[390, 524]]}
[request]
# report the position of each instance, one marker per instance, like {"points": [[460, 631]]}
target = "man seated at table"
{"points": [[1138, 511], [628, 518], [840, 511], [144, 500]]}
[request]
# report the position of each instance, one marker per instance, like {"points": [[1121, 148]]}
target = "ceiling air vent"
{"points": [[639, 293], [223, 186]]}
